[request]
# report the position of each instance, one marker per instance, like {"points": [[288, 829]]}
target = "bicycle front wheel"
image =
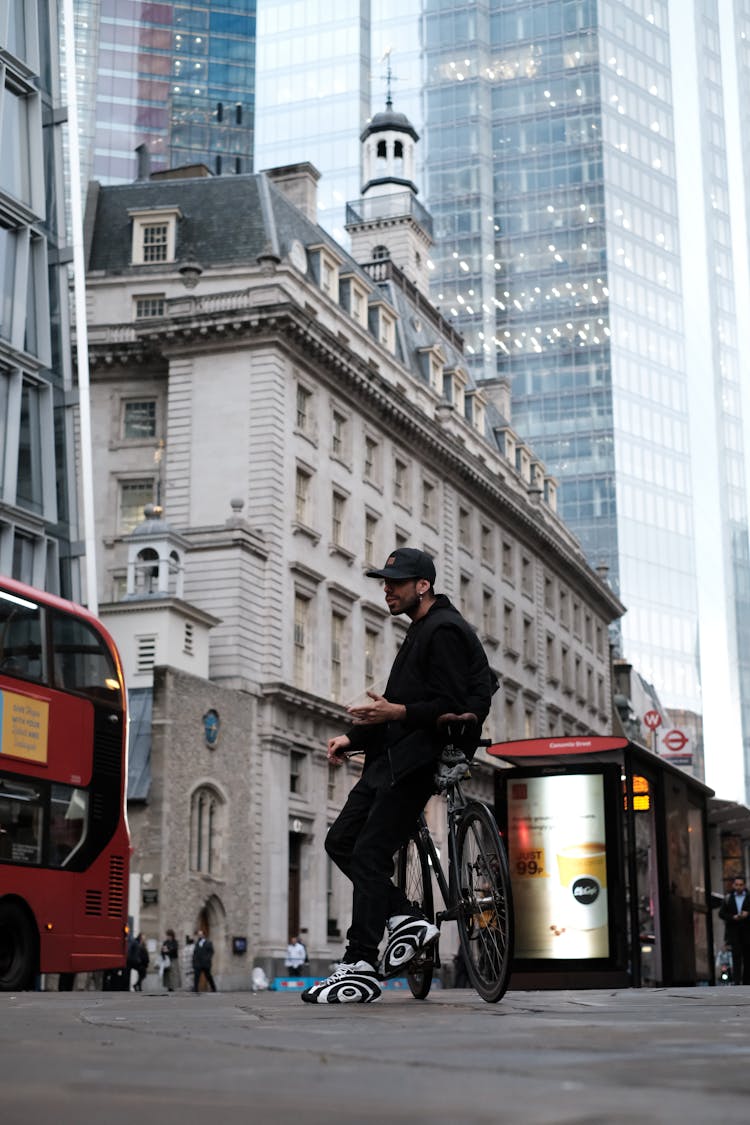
{"points": [[413, 877], [485, 920]]}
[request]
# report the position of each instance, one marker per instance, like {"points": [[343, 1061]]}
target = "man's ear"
{"points": [[424, 584]]}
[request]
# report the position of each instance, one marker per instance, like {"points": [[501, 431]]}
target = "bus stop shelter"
{"points": [[609, 863]]}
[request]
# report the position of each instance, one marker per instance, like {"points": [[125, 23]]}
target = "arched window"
{"points": [[207, 830], [147, 571], [380, 253], [382, 151]]}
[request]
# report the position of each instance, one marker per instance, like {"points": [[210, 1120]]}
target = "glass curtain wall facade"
{"points": [[37, 490], [177, 77], [313, 94], [710, 54]]}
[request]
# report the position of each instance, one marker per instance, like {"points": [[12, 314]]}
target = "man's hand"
{"points": [[379, 711], [336, 748]]}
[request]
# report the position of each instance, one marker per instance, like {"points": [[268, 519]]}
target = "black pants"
{"points": [[740, 959], [376, 820], [197, 979]]}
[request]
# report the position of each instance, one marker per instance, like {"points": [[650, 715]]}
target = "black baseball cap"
{"points": [[406, 562]]}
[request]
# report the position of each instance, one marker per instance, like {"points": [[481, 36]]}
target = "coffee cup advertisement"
{"points": [[558, 860]]}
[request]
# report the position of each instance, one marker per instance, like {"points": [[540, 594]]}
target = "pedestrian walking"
{"points": [[186, 963], [138, 959], [170, 953], [735, 913], [203, 955]]}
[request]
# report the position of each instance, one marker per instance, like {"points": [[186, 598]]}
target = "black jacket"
{"points": [[737, 929], [440, 667], [203, 954]]}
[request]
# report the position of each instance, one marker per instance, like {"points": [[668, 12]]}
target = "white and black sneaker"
{"points": [[407, 936], [350, 983]]}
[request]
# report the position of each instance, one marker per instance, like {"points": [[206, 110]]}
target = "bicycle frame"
{"points": [[456, 802]]}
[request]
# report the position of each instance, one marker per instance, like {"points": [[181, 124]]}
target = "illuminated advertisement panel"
{"points": [[558, 863]]}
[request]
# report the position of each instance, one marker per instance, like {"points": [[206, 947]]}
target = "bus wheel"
{"points": [[17, 949]]}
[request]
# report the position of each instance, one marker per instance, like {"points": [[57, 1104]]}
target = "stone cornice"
{"points": [[299, 332], [300, 700]]}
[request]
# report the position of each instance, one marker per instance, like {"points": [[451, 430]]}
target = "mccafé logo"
{"points": [[585, 890]]}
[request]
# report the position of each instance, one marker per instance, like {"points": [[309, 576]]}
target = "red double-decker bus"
{"points": [[64, 842]]}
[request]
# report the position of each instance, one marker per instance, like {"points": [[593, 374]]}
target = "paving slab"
{"points": [[615, 1057]]}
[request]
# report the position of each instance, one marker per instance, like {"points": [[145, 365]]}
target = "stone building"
{"points": [[294, 413]]}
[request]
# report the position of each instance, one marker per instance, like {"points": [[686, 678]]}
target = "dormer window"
{"points": [[387, 333], [155, 242], [507, 442], [433, 365], [478, 407], [523, 463], [353, 295], [383, 325], [454, 388], [436, 374], [154, 235], [325, 266]]}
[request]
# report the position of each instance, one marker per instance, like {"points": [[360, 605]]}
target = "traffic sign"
{"points": [[652, 719], [674, 740]]}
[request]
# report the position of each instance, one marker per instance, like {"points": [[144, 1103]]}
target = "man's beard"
{"points": [[406, 607]]}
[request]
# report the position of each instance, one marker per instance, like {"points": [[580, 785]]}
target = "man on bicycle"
{"points": [[440, 667]]}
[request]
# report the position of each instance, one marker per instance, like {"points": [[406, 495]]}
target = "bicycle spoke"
{"points": [[413, 877], [486, 917]]}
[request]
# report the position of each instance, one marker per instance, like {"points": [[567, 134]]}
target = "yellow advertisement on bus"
{"points": [[24, 724]]}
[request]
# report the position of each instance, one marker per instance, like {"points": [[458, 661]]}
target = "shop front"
{"points": [[608, 853]]}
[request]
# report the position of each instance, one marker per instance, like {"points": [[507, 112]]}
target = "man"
{"points": [[296, 955], [203, 955], [440, 668], [735, 911]]}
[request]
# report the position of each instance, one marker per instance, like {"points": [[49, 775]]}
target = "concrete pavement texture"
{"points": [[616, 1057]]}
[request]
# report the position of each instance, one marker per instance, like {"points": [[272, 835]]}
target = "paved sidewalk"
{"points": [[536, 1058]]}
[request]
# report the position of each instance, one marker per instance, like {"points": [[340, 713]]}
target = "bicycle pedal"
{"points": [[428, 955]]}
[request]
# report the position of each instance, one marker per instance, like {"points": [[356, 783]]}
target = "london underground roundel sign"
{"points": [[675, 740]]}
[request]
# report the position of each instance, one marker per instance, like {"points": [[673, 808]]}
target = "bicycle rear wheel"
{"points": [[485, 920], [413, 877]]}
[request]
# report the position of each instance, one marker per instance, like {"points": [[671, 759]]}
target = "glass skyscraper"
{"points": [[586, 165], [38, 524], [177, 77]]}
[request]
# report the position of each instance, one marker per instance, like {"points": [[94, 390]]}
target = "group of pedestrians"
{"points": [[190, 964]]}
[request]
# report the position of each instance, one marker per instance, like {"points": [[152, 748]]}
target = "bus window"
{"points": [[21, 821], [82, 662], [20, 638], [68, 816]]}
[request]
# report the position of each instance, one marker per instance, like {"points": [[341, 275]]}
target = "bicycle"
{"points": [[477, 891]]}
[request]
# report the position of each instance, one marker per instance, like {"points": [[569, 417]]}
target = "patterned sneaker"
{"points": [[407, 936], [355, 983]]}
